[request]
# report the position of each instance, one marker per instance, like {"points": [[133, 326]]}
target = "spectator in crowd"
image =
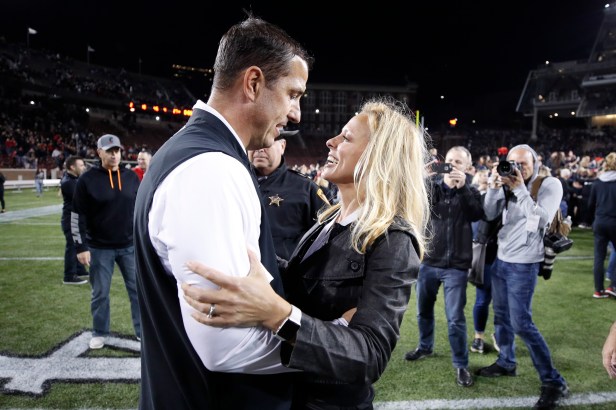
{"points": [[564, 175], [292, 199], [104, 203], [480, 180], [363, 254], [455, 205], [434, 155], [582, 184], [73, 270], [609, 352], [200, 199], [143, 161], [39, 179], [602, 206], [544, 171], [2, 181], [514, 278], [485, 232]]}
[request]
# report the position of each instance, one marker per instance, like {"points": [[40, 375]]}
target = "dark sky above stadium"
{"points": [[471, 52]]}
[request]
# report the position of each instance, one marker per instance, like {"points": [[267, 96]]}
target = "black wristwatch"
{"points": [[288, 330]]}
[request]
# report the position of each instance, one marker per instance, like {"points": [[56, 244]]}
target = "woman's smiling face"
{"points": [[345, 149]]}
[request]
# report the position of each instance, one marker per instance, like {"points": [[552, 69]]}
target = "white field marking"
{"points": [[42, 258], [11, 216], [31, 223], [486, 403], [68, 363], [490, 403]]}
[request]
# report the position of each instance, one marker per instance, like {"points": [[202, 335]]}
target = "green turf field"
{"points": [[39, 316]]}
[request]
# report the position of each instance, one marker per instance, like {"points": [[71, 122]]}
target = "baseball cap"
{"points": [[108, 141]]}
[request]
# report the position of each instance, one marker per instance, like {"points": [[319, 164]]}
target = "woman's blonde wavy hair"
{"points": [[610, 162], [390, 176]]}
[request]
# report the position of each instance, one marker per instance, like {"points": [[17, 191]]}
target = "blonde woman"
{"points": [[361, 257]]}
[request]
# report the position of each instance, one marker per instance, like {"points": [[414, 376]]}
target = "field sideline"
{"points": [[44, 328]]}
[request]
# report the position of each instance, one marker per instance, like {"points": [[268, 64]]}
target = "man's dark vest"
{"points": [[172, 374]]}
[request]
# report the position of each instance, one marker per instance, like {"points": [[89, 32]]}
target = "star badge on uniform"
{"points": [[275, 200]]}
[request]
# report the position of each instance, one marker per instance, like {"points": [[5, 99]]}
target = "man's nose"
{"points": [[295, 115]]}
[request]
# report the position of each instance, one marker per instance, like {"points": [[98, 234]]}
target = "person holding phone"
{"points": [[455, 205], [441, 168]]}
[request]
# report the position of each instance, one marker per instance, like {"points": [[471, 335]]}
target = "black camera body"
{"points": [[558, 243], [506, 168], [442, 168]]}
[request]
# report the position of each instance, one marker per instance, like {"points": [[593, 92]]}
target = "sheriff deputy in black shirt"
{"points": [[291, 198]]}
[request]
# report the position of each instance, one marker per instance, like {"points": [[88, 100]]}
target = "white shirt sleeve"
{"points": [[207, 209]]}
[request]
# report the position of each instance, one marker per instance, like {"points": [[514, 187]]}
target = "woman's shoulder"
{"points": [[401, 230]]}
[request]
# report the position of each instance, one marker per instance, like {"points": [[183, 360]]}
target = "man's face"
{"points": [[523, 158], [277, 106], [143, 160], [458, 159], [78, 168], [111, 158], [267, 160]]}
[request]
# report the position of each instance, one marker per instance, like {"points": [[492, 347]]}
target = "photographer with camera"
{"points": [[520, 253]]}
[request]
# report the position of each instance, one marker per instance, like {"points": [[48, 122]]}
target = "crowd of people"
{"points": [[306, 313]]}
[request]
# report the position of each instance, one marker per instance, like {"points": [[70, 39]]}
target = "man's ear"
{"points": [[283, 144], [254, 81]]}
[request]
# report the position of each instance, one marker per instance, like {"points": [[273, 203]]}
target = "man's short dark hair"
{"points": [[71, 160], [256, 42]]}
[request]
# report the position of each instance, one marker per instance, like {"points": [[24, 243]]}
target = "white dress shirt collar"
{"points": [[203, 106]]}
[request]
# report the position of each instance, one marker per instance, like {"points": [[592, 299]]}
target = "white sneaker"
{"points": [[97, 342]]}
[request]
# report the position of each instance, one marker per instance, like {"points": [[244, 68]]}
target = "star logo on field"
{"points": [[275, 200]]}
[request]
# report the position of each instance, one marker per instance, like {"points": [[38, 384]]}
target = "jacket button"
{"points": [[354, 266]]}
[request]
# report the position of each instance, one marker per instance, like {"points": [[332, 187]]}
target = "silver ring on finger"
{"points": [[212, 311]]}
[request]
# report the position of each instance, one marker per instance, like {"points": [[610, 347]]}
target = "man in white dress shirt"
{"points": [[199, 201]]}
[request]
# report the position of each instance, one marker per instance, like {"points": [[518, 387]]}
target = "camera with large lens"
{"points": [[547, 266], [506, 168]]}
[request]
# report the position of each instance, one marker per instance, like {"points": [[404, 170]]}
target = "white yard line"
{"points": [[494, 402], [12, 216], [485, 403]]}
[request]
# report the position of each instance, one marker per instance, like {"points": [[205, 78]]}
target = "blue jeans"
{"points": [[611, 265], [39, 187], [454, 286], [604, 233], [101, 270], [72, 266], [483, 298], [513, 286]]}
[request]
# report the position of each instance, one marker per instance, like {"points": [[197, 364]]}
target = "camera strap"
{"points": [[534, 188]]}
